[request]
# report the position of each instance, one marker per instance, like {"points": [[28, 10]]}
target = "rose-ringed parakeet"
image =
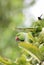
{"points": [[25, 37], [21, 36]]}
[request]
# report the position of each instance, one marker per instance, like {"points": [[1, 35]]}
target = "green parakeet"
{"points": [[20, 36], [27, 37]]}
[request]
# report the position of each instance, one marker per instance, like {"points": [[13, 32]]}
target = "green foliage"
{"points": [[31, 51], [30, 36], [36, 48]]}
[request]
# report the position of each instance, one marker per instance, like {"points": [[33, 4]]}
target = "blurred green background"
{"points": [[11, 16]]}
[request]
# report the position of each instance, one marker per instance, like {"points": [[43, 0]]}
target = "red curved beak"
{"points": [[17, 39]]}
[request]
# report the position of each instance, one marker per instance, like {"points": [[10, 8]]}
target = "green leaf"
{"points": [[22, 60], [41, 47], [6, 61], [30, 36], [32, 50]]}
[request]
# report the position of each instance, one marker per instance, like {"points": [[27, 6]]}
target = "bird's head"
{"points": [[20, 36]]}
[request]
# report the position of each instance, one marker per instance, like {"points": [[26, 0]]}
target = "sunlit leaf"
{"points": [[32, 50]]}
